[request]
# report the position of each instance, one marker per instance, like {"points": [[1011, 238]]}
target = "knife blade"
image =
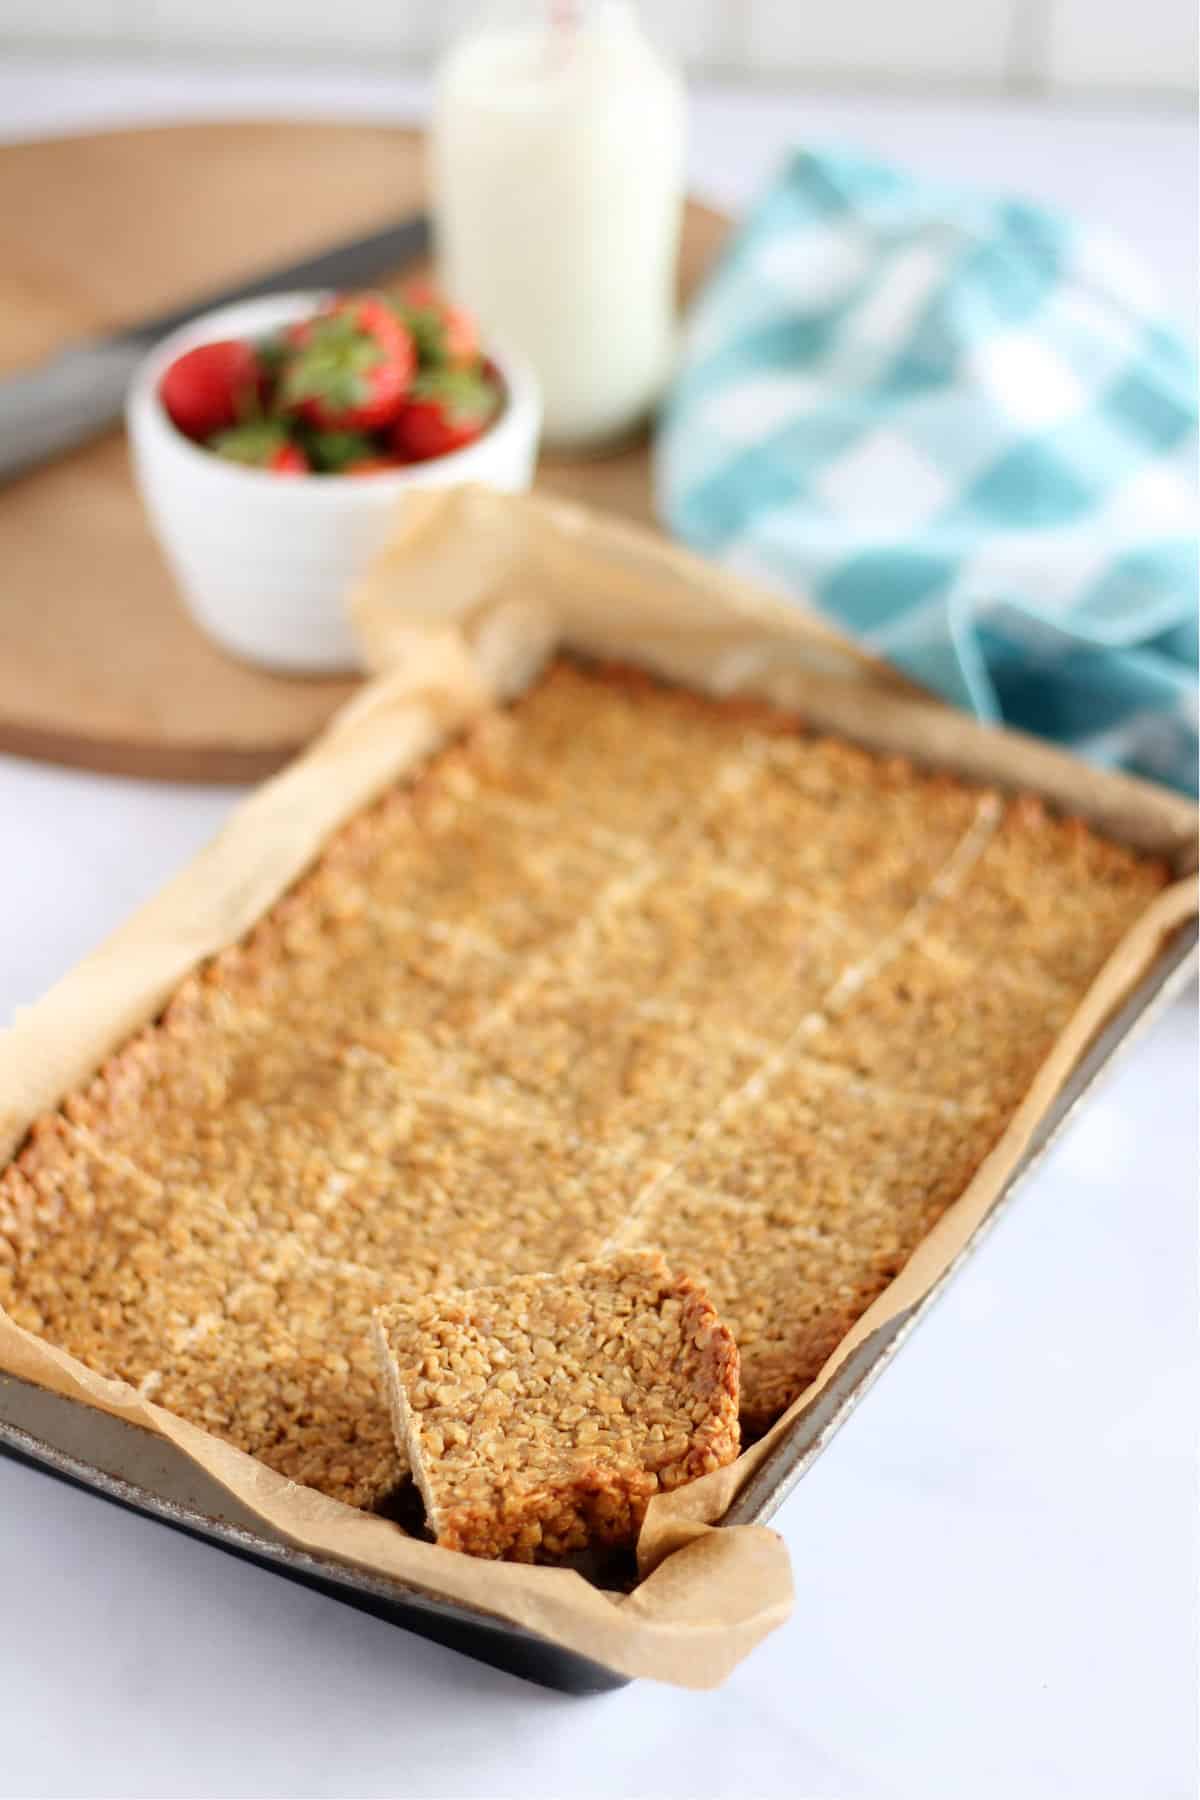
{"points": [[79, 392]]}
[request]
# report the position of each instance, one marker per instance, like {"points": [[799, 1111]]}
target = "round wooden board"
{"points": [[100, 667]]}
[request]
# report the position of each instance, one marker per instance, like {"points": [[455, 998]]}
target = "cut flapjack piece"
{"points": [[801, 1207], [239, 1330], [1046, 901], [929, 1026], [719, 946], [810, 1134], [443, 856], [609, 1068], [284, 1369], [604, 753], [789, 1285], [250, 1114], [340, 1149], [865, 836], [331, 964], [542, 1414], [102, 1260]]}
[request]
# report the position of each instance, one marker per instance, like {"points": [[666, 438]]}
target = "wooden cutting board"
{"points": [[100, 666]]}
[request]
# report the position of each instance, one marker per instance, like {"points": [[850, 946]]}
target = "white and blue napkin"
{"points": [[962, 428]]}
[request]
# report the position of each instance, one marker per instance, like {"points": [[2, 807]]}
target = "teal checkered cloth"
{"points": [[960, 426]]}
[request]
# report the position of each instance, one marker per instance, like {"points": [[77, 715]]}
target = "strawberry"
{"points": [[446, 336], [445, 411], [289, 459], [350, 367], [212, 387], [263, 444]]}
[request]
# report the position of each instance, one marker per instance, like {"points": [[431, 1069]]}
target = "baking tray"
{"points": [[137, 1469]]}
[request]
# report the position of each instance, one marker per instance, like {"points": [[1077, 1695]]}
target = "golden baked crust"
{"points": [[244, 1332], [625, 966], [542, 1414]]}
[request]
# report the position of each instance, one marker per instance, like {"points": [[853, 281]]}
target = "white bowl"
{"points": [[264, 561]]}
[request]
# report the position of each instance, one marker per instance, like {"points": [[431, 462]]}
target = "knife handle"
{"points": [[63, 402]]}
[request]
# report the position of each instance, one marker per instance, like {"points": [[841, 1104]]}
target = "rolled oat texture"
{"points": [[623, 968], [542, 1414]]}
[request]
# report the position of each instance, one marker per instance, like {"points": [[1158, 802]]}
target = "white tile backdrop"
{"points": [[1067, 46], [894, 40]]}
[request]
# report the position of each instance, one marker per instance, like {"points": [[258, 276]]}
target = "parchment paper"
{"points": [[473, 592]]}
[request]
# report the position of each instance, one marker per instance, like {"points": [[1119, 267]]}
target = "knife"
{"points": [[79, 392]]}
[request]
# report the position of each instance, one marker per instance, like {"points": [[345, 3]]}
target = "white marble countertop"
{"points": [[993, 1561]]}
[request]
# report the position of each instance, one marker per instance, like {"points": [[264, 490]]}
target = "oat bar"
{"points": [[541, 1415], [624, 966]]}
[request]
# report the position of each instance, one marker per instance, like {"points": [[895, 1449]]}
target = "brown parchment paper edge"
{"points": [[470, 595]]}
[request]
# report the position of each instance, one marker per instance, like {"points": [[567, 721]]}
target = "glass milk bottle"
{"points": [[557, 149]]}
